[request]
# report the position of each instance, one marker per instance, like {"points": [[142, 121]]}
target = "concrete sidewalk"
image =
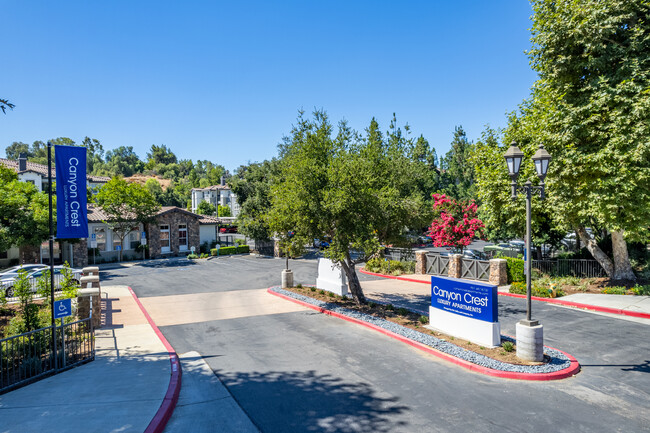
{"points": [[417, 296], [120, 391]]}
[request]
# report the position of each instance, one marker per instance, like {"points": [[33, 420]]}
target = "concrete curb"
{"points": [[549, 300], [573, 369], [159, 421]]}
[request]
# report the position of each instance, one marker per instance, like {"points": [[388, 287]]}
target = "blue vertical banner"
{"points": [[71, 212]]}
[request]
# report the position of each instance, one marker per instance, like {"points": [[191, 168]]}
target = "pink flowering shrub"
{"points": [[456, 224]]}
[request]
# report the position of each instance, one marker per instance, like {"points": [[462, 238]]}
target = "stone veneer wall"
{"points": [[173, 218], [80, 253]]}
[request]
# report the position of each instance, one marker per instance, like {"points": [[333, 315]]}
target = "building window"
{"points": [[116, 242], [164, 239], [182, 237], [134, 240], [31, 181], [100, 236]]}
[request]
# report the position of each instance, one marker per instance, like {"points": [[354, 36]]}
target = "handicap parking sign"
{"points": [[62, 308]]}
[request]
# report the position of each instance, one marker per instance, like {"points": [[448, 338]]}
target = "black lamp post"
{"points": [[513, 157]]}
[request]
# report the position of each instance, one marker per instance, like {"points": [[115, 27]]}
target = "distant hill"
{"points": [[142, 179]]}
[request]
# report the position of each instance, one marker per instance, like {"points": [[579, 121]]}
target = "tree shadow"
{"points": [[643, 367], [306, 401], [413, 302]]}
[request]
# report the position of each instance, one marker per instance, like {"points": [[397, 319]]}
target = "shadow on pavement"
{"points": [[644, 367], [305, 401]]}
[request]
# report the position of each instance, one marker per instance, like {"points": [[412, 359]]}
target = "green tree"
{"points": [[356, 190], [206, 208], [4, 104], [126, 205], [591, 110], [122, 161], [27, 309], [224, 211], [458, 171], [252, 186], [160, 155], [24, 218], [153, 186], [14, 150]]}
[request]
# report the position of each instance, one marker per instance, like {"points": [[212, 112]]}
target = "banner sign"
{"points": [[71, 212], [466, 298]]}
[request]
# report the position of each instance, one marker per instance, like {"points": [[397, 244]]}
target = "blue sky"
{"points": [[224, 80]]}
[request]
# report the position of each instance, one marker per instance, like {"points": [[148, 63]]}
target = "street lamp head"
{"points": [[513, 157], [541, 159]]}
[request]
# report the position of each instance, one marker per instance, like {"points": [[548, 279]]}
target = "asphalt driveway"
{"points": [[292, 369]]}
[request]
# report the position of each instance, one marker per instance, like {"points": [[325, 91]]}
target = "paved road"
{"points": [[297, 370]]}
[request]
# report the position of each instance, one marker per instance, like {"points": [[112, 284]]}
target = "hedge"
{"points": [[515, 270], [226, 251]]}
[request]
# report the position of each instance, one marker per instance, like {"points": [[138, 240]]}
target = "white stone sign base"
{"points": [[483, 333], [331, 278]]}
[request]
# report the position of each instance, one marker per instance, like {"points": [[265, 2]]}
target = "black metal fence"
{"points": [[570, 267], [29, 356]]}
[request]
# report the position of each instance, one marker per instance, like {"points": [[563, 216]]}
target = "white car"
{"points": [[13, 271], [33, 276]]}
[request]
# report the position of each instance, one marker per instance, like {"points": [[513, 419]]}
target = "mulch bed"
{"points": [[411, 320]]}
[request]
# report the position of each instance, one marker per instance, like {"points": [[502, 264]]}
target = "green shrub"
{"points": [[299, 286], [423, 319], [322, 292], [226, 251], [641, 290], [240, 241], [402, 311], [515, 270], [541, 292], [518, 288], [508, 346], [615, 290], [372, 304], [214, 252], [192, 256], [243, 249], [389, 307], [204, 255], [313, 289]]}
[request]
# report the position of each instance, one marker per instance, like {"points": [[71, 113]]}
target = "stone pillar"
{"points": [[455, 264], [421, 262], [80, 253], [84, 297], [90, 270], [90, 281], [499, 272], [530, 341], [287, 278]]}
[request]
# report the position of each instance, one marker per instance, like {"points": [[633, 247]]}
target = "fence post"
{"points": [[421, 262], [498, 272], [455, 266]]}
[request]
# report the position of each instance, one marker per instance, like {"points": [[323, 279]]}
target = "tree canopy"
{"points": [[24, 212], [356, 189]]}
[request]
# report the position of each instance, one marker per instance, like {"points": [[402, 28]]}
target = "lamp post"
{"points": [[532, 343]]}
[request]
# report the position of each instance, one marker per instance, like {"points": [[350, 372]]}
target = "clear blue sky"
{"points": [[224, 80]]}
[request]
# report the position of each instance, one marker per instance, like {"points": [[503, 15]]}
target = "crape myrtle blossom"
{"points": [[456, 224]]}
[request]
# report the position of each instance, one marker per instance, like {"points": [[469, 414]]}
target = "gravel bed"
{"points": [[558, 360]]}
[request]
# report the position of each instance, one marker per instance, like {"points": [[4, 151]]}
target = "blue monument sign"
{"points": [[466, 309]]}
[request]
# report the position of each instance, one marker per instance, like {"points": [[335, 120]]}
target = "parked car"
{"points": [[33, 276], [322, 243], [13, 271]]}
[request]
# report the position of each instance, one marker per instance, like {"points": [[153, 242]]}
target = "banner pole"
{"points": [[49, 188]]}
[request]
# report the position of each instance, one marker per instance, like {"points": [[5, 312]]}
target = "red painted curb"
{"points": [[573, 368], [159, 421], [549, 300]]}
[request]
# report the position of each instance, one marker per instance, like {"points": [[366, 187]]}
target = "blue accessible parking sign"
{"points": [[62, 308]]}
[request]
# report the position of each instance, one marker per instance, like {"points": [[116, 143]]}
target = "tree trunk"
{"points": [[539, 252], [353, 281], [595, 251], [622, 267]]}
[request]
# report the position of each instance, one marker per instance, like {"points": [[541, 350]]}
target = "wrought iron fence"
{"points": [[475, 269], [437, 264], [399, 254], [29, 356], [565, 267]]}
